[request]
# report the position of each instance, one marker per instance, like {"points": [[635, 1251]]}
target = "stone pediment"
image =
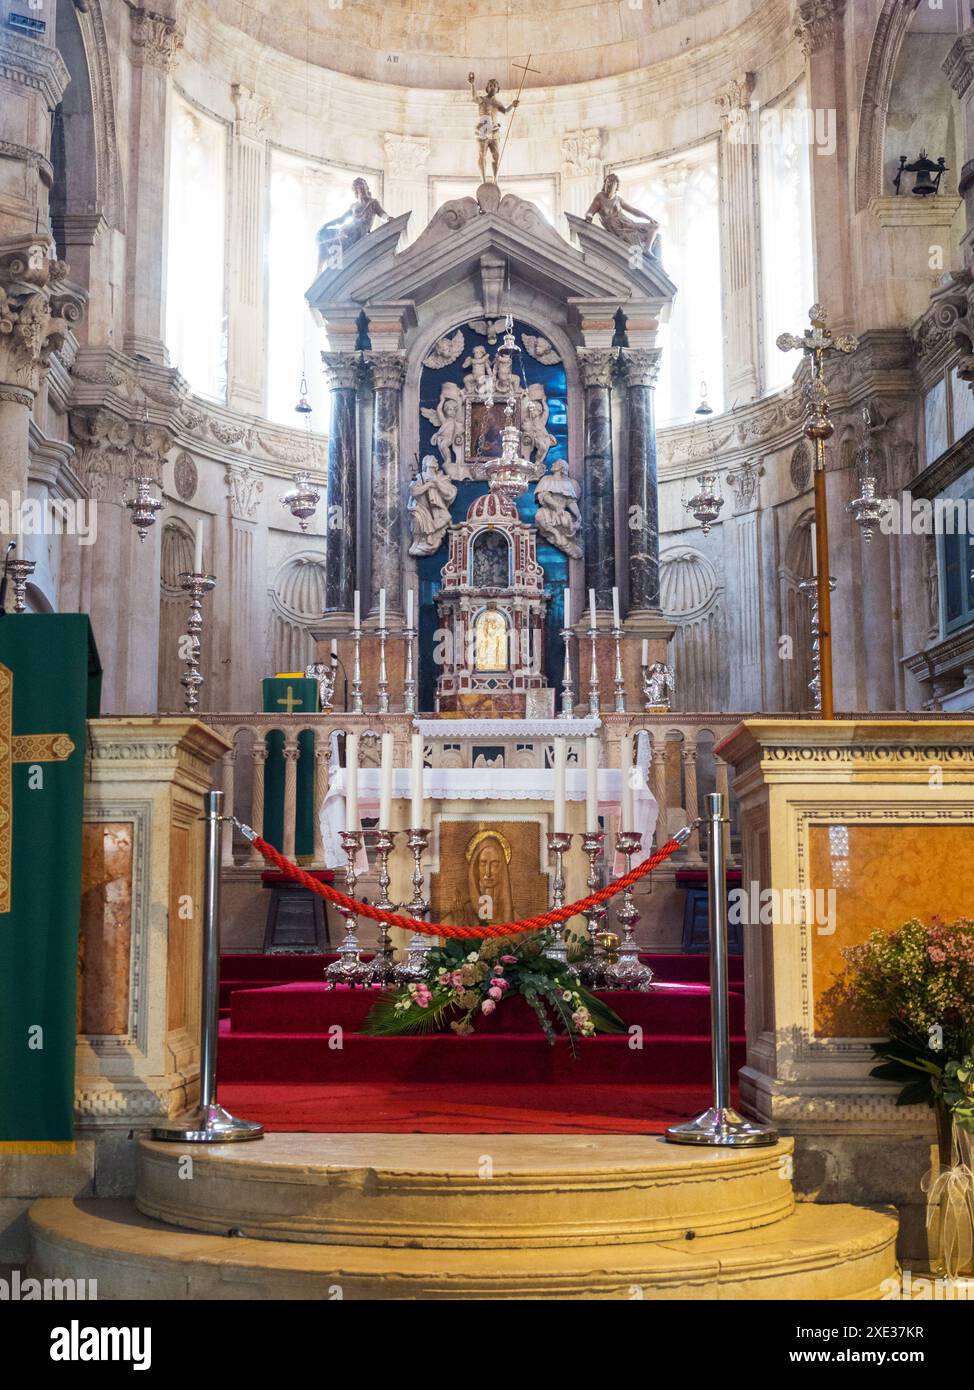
{"points": [[480, 237]]}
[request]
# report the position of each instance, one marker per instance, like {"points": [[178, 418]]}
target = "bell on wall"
{"points": [[302, 500], [926, 174]]}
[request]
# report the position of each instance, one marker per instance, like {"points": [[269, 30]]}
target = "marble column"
{"points": [[598, 501], [741, 279], [385, 514], [40, 305], [640, 370], [155, 45], [246, 265], [341, 492]]}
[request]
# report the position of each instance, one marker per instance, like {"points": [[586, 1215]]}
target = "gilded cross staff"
{"points": [[816, 342]]}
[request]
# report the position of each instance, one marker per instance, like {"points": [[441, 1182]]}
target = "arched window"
{"points": [[682, 193], [195, 321], [303, 195], [787, 257]]}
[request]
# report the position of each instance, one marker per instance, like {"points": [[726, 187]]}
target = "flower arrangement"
{"points": [[921, 978], [471, 981]]}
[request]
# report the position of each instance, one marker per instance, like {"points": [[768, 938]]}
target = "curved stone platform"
{"points": [[469, 1192], [835, 1253]]}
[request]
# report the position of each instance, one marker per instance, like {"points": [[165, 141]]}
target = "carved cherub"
{"points": [[448, 438], [444, 351], [535, 439], [479, 381]]}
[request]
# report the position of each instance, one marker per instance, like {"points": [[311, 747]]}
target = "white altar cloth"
{"points": [[482, 784]]}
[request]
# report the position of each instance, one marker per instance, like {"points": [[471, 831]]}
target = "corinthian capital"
{"points": [[252, 112], [640, 366], [733, 100], [596, 366], [342, 369], [38, 306], [156, 39], [581, 153], [406, 155], [388, 369], [817, 20]]}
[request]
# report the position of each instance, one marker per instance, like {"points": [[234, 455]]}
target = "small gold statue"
{"points": [[488, 127]]}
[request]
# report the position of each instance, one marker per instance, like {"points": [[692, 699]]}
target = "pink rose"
{"points": [[509, 960], [496, 993], [502, 984], [488, 1006]]}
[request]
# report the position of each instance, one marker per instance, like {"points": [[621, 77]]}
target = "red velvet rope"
{"points": [[413, 924]]}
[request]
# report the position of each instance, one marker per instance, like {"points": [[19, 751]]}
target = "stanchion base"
{"points": [[209, 1124], [722, 1128]]}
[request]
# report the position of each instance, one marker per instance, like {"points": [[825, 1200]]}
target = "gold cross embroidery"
{"points": [[18, 748], [290, 700]]}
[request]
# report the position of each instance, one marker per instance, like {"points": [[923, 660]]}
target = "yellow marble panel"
{"points": [[882, 876]]}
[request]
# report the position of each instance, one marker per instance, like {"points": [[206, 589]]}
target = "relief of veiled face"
{"points": [[491, 866]]}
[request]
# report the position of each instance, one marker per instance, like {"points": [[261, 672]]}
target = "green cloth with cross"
{"points": [[290, 695]]}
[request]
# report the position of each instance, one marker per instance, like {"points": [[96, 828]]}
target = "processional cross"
{"points": [[816, 342], [18, 748]]}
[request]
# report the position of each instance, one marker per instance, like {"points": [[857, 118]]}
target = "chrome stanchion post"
{"points": [[210, 1123], [720, 1124]]}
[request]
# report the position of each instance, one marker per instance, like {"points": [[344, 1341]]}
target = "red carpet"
{"points": [[374, 1108], [291, 1057]]}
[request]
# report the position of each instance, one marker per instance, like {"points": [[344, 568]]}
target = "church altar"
{"points": [[455, 787]]}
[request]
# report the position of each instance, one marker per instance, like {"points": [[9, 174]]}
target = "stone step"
{"points": [[818, 1252], [474, 1191]]}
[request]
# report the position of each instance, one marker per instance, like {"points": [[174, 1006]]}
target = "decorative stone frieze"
{"points": [[110, 450]]}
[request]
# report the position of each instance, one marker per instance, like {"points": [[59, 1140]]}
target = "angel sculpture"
{"points": [[447, 415], [444, 351], [430, 496], [535, 439], [491, 329], [479, 381], [558, 517], [350, 227], [540, 349], [619, 217], [659, 685], [507, 383]]}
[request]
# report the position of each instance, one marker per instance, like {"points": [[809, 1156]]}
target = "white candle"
{"points": [[198, 554], [409, 608], [591, 784], [814, 551], [568, 608], [382, 611], [351, 782], [527, 648], [558, 821], [416, 813], [385, 783], [334, 651], [615, 608], [591, 608], [358, 615], [645, 651], [625, 763]]}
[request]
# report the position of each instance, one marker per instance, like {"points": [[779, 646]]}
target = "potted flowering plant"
{"points": [[921, 979], [473, 980]]}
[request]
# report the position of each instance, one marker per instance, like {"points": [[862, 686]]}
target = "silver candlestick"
{"points": [[593, 969], [409, 683], [559, 843], [416, 966], [349, 968], [20, 571], [358, 707], [620, 684], [382, 684], [567, 692], [196, 585], [382, 964], [627, 971], [594, 699]]}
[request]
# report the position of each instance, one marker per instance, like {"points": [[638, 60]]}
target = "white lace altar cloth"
{"points": [[464, 784]]}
